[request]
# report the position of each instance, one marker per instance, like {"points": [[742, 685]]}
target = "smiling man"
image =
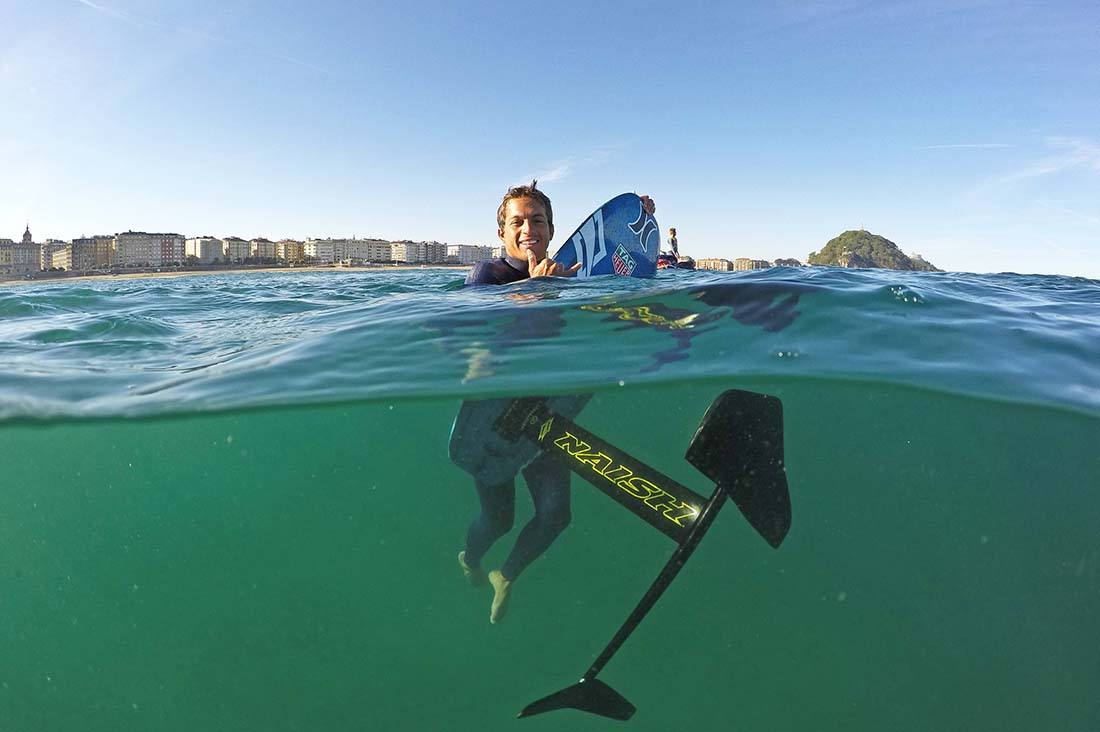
{"points": [[525, 225]]}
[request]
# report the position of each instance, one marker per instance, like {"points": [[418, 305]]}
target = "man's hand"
{"points": [[548, 267], [648, 205]]}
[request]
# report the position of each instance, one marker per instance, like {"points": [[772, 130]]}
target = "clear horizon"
{"points": [[966, 132]]}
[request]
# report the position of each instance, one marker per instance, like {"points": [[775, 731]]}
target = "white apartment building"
{"points": [[205, 249], [142, 249], [419, 252], [235, 249], [468, 253], [320, 251], [261, 249], [360, 251]]}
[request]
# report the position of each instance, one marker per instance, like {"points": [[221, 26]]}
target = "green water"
{"points": [[294, 569]]}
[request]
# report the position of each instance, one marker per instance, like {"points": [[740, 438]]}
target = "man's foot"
{"points": [[502, 589], [474, 575]]}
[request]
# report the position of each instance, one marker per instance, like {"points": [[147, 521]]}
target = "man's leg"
{"points": [[498, 507], [548, 481]]}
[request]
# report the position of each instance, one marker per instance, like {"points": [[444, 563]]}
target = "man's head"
{"points": [[672, 232], [525, 222]]}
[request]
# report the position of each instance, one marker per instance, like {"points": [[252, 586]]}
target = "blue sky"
{"points": [[968, 132]]}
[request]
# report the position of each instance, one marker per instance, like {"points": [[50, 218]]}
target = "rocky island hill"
{"points": [[865, 250]]}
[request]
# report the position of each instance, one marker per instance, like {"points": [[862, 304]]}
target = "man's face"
{"points": [[526, 228]]}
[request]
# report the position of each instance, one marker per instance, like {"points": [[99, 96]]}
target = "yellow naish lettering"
{"points": [[671, 507], [633, 485], [681, 513], [571, 443], [642, 313], [596, 460], [617, 474], [639, 487]]}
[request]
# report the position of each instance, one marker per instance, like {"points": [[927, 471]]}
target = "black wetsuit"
{"points": [[547, 479], [500, 271]]}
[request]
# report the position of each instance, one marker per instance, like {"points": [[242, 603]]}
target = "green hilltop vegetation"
{"points": [[866, 250]]}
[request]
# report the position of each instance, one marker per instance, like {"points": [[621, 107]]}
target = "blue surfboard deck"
{"points": [[618, 238]]}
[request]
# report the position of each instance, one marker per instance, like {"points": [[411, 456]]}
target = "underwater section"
{"points": [[227, 502], [294, 568]]}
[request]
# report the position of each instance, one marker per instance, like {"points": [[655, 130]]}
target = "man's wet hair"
{"points": [[530, 191]]}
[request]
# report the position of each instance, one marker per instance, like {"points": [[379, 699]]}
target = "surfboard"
{"points": [[619, 238]]}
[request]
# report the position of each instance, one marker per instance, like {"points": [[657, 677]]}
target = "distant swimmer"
{"points": [[673, 245], [525, 226]]}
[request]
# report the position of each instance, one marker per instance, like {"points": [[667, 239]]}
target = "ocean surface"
{"points": [[226, 503]]}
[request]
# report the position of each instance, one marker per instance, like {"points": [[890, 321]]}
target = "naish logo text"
{"points": [[633, 485]]}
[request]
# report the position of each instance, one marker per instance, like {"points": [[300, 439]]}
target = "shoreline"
{"points": [[192, 272]]}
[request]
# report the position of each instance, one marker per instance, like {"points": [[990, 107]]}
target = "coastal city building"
{"points": [[290, 250], [235, 250], [57, 256], [352, 252], [261, 249], [742, 264], [49, 248], [5, 256], [19, 258], [138, 250], [204, 249], [92, 252], [419, 252], [468, 253], [143, 249], [723, 265], [319, 251]]}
